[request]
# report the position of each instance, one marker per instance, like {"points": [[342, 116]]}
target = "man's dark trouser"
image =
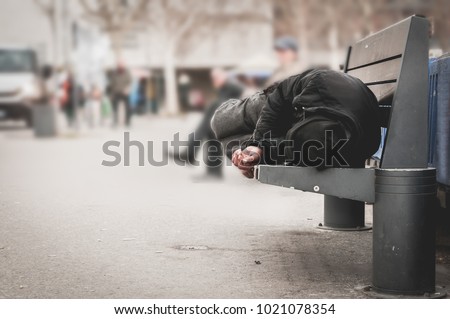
{"points": [[117, 98], [213, 154]]}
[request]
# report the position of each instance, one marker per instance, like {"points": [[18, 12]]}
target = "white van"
{"points": [[20, 83]]}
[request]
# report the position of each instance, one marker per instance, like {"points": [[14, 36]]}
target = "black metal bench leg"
{"points": [[343, 214]]}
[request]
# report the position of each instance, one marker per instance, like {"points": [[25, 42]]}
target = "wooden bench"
{"points": [[393, 63]]}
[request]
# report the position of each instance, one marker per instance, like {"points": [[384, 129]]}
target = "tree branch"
{"points": [[47, 8]]}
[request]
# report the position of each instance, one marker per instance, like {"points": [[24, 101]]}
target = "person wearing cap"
{"points": [[320, 118], [286, 49]]}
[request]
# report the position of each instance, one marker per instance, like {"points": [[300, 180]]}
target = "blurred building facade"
{"points": [[188, 36], [165, 39], [326, 28], [56, 28]]}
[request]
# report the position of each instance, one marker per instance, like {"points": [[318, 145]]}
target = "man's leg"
{"points": [[128, 112], [203, 132], [115, 107], [213, 157]]}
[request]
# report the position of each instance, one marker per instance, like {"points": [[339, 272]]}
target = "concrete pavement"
{"points": [[72, 228]]}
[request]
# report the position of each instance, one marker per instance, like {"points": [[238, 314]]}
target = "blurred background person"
{"points": [[71, 96], [142, 95], [152, 101], [105, 109], [93, 106], [50, 85], [197, 99], [138, 95], [184, 88], [225, 89], [119, 86], [286, 49], [249, 83]]}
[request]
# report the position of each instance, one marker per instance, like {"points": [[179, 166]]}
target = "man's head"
{"points": [[286, 49], [218, 77], [120, 65]]}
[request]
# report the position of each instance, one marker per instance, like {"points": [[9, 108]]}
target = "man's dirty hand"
{"points": [[246, 160]]}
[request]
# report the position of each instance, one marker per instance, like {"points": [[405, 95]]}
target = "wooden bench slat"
{"points": [[383, 72], [379, 46], [384, 92]]}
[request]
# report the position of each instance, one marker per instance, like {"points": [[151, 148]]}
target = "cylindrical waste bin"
{"points": [[404, 231]]}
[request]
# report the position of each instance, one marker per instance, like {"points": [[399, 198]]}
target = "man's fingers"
{"points": [[245, 166], [246, 160], [248, 172], [245, 157], [233, 157], [249, 159], [236, 157]]}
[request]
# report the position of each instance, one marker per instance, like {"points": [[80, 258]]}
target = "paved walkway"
{"points": [[71, 228]]}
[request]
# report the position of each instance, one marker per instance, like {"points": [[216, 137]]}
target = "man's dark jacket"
{"points": [[298, 100]]}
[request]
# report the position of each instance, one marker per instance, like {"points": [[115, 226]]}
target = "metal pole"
{"points": [[343, 214]]}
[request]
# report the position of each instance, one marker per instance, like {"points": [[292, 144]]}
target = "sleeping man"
{"points": [[319, 118]]}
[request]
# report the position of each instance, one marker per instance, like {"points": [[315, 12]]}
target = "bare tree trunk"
{"points": [[333, 39], [305, 58], [51, 11], [116, 44], [170, 81], [54, 38], [334, 47]]}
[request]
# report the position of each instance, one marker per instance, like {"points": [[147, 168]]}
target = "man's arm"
{"points": [[257, 148], [276, 116], [274, 121]]}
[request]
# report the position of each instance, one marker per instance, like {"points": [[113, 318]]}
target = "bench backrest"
{"points": [[393, 63]]}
